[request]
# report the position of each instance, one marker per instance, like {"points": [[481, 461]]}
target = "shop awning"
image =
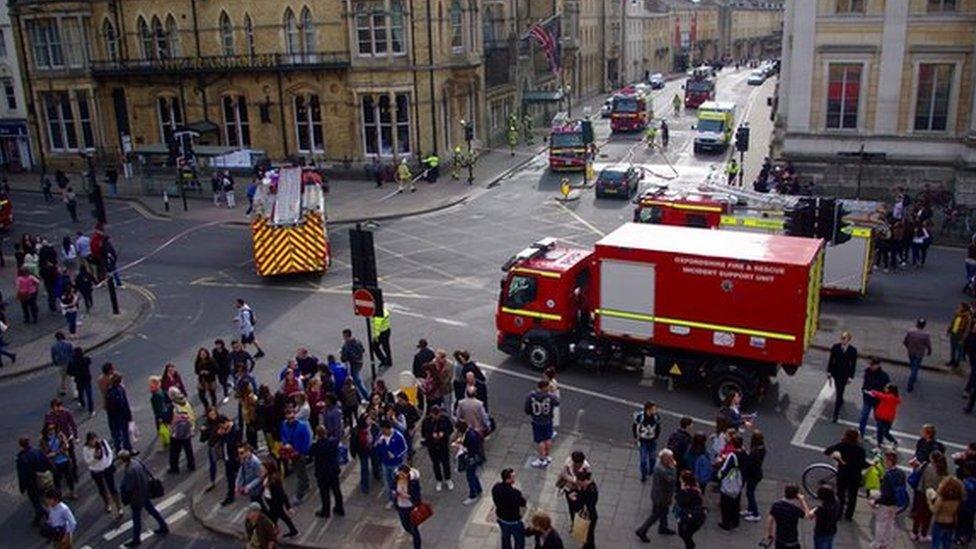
{"points": [[542, 96]]}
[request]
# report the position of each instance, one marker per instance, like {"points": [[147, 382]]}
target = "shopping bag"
{"points": [[420, 513], [581, 526], [133, 432], [164, 434]]}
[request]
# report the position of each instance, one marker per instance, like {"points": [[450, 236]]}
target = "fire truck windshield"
{"points": [[699, 86], [566, 140], [624, 104], [521, 291]]}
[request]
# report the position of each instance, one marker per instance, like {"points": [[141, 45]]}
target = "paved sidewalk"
{"points": [[882, 337], [624, 503], [32, 343]]}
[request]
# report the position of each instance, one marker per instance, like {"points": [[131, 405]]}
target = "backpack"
{"points": [[703, 469], [901, 496], [969, 503], [182, 428], [250, 314], [731, 484]]}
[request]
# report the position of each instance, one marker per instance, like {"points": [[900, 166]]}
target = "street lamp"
{"points": [[468, 137]]}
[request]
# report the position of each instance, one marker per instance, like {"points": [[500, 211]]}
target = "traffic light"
{"points": [[826, 214], [798, 220], [742, 138], [468, 132]]}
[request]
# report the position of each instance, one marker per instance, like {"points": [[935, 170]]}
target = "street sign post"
{"points": [[367, 297]]}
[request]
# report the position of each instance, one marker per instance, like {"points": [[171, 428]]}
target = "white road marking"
{"points": [[902, 434], [127, 525], [168, 243], [169, 523], [589, 393], [401, 310], [810, 420], [209, 281]]}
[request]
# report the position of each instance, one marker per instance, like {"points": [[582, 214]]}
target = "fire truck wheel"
{"points": [[726, 379], [541, 354]]}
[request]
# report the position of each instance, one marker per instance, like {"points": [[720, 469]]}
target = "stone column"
{"points": [[890, 69], [803, 23]]}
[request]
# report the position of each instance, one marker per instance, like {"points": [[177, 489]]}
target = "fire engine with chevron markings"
{"points": [[288, 223]]}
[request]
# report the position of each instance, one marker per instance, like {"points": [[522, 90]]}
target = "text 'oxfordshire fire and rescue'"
{"points": [[726, 269]]}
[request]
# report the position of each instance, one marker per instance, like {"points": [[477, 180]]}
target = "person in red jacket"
{"points": [[885, 412]]}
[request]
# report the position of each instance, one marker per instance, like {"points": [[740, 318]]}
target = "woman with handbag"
{"points": [[409, 507], [689, 508], [730, 484], [471, 455], [575, 464], [585, 497], [275, 499], [54, 444], [100, 459]]}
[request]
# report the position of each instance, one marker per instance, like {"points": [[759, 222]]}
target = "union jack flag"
{"points": [[547, 34]]}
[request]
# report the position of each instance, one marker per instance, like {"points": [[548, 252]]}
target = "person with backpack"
{"points": [[689, 508], [893, 497], [646, 429], [136, 492], [731, 484], [782, 527], [851, 461], [752, 474], [540, 405], [181, 429], [700, 463], [663, 484], [245, 325], [680, 441]]}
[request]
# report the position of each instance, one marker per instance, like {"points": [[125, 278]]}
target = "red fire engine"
{"points": [[630, 110], [723, 307], [699, 87], [569, 143]]}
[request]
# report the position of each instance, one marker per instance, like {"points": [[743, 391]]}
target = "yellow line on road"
{"points": [[582, 221]]}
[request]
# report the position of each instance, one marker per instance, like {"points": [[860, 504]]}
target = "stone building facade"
{"points": [[889, 76]]}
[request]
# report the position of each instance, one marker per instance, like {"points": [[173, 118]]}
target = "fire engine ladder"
{"points": [[288, 198], [751, 198]]}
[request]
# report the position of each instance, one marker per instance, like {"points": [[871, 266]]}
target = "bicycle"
{"points": [[825, 474]]}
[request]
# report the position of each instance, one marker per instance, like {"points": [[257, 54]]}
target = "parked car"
{"points": [[606, 108], [756, 78], [656, 81], [622, 181]]}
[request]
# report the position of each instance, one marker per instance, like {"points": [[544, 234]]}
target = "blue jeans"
{"points": [[942, 536], [72, 318], [85, 395], [512, 531], [474, 485], [646, 456], [364, 474], [867, 407], [408, 527], [137, 519], [823, 542], [357, 378], [389, 473], [120, 434], [916, 364], [751, 505]]}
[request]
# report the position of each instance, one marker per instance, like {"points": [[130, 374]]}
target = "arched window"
{"points": [[308, 32], [226, 35], [249, 33], [293, 41], [457, 27], [159, 39], [173, 36], [145, 39], [111, 41]]}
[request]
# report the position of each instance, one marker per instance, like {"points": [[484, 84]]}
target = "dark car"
{"points": [[619, 181]]}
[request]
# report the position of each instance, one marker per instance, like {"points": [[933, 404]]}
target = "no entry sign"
{"points": [[364, 301]]}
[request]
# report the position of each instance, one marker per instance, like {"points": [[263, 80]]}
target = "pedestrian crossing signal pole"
{"points": [[468, 138]]}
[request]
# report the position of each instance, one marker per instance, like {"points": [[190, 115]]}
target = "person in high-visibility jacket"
{"points": [[527, 128], [732, 170], [512, 138], [433, 163], [650, 134], [456, 162], [381, 338], [676, 103], [404, 177]]}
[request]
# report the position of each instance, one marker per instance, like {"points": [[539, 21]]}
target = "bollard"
{"points": [[166, 200]]}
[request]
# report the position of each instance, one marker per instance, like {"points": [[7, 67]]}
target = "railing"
{"points": [[223, 63]]}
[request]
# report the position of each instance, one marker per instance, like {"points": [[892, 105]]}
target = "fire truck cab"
{"points": [[570, 142], [699, 88], [630, 110], [686, 208]]}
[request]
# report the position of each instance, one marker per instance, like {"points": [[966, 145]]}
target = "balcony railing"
{"points": [[263, 62]]}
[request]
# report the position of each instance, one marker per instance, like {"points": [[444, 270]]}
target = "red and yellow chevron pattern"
{"points": [[303, 248]]}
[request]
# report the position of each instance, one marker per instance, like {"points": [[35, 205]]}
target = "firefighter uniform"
{"points": [[456, 162], [404, 177], [527, 128], [381, 338], [676, 103], [512, 138], [650, 134], [732, 170], [433, 163]]}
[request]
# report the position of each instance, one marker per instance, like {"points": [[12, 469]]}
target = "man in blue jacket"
{"points": [[249, 474], [296, 439], [392, 449]]}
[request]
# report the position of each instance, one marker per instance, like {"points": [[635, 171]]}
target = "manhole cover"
{"points": [[374, 534]]}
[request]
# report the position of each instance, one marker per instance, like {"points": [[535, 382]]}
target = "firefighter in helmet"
{"points": [[650, 135], [456, 161], [512, 137], [676, 103], [433, 163], [527, 127], [732, 171], [404, 177]]}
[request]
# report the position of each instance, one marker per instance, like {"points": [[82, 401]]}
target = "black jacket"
{"points": [[854, 460], [420, 360], [325, 454], [508, 502], [30, 462], [442, 425], [842, 364]]}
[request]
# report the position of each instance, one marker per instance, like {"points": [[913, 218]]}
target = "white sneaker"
{"points": [[450, 485], [752, 518], [469, 501], [538, 463], [225, 400], [389, 505], [439, 486]]}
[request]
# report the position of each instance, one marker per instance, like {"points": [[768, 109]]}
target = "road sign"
{"points": [[363, 302]]}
